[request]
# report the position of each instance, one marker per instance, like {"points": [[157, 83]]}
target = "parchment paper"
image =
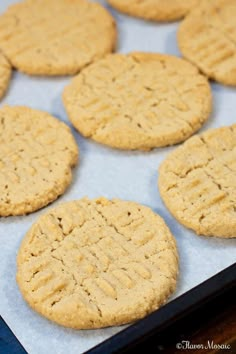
{"points": [[106, 172]]}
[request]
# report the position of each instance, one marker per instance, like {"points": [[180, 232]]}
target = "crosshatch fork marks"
{"points": [[86, 264], [207, 37], [138, 101], [56, 37], [36, 160], [198, 182]]}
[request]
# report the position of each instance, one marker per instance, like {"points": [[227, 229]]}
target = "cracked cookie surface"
{"points": [[198, 183], [97, 263], [207, 37], [55, 37], [138, 101], [37, 153], [156, 10], [5, 74]]}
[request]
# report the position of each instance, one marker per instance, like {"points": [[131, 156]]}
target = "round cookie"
{"points": [[198, 185], [55, 37], [207, 37], [138, 101], [156, 10], [37, 153], [5, 74], [97, 263]]}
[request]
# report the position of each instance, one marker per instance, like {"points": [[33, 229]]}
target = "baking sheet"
{"points": [[106, 172]]}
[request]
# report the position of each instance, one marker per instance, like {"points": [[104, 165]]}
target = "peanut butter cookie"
{"points": [[55, 37], [96, 263], [207, 37], [198, 183], [37, 153], [156, 10], [5, 74], [138, 101]]}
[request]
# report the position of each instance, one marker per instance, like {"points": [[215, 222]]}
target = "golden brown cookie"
{"points": [[97, 263], [207, 37], [55, 37], [138, 101], [198, 182], [37, 153], [5, 74], [156, 10]]}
